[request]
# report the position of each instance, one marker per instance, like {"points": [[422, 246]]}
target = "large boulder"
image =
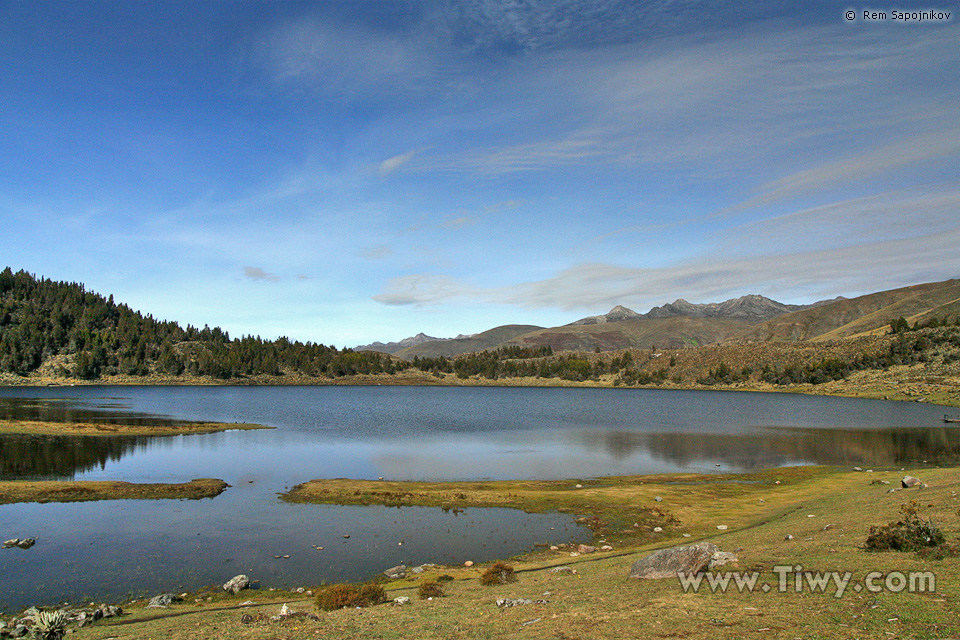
{"points": [[397, 572], [909, 481], [667, 563], [163, 601], [236, 584]]}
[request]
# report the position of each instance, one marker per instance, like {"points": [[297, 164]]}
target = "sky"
{"points": [[344, 172]]}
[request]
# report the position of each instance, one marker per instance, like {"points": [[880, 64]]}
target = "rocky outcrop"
{"points": [[667, 563]]}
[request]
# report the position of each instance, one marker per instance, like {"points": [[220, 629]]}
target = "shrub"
{"points": [[430, 589], [910, 533], [339, 596], [50, 625], [499, 573]]}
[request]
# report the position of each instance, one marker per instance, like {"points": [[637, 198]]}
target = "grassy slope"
{"points": [[490, 339], [599, 601], [861, 314], [13, 491]]}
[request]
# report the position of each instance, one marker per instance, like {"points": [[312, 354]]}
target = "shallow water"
{"points": [[108, 549]]}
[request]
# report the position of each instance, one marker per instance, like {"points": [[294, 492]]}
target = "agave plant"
{"points": [[50, 625]]}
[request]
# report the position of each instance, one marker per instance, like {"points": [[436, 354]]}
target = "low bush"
{"points": [[339, 596], [499, 573], [430, 589], [909, 533]]}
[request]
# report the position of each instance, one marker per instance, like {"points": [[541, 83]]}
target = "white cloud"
{"points": [[390, 165]]}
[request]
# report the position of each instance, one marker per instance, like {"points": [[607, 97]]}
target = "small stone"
{"points": [[777, 482], [554, 547], [586, 548], [687, 535], [858, 468], [247, 603], [657, 529], [827, 527], [26, 543], [810, 515], [579, 486], [563, 569], [606, 547], [401, 600], [658, 499], [468, 563], [246, 619], [397, 572], [789, 536], [722, 527]]}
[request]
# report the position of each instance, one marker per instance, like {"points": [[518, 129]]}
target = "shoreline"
{"points": [[827, 512], [93, 429], [907, 384]]}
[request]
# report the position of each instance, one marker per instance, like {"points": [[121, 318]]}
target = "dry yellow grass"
{"points": [[12, 491]]}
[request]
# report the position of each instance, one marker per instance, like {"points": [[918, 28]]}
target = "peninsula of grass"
{"points": [[13, 491], [816, 517], [52, 428]]}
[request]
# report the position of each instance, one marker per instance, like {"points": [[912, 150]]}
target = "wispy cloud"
{"points": [[256, 273], [376, 252], [390, 165]]}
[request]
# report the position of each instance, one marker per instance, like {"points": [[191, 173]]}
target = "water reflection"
{"points": [[67, 410], [771, 447], [30, 457]]}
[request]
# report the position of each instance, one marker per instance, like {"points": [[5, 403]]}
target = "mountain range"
{"points": [[750, 318]]}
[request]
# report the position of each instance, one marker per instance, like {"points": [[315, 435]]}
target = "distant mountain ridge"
{"points": [[393, 347]]}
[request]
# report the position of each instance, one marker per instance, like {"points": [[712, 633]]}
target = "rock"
{"points": [[517, 602], [236, 584], [554, 547], [658, 499], [722, 527], [721, 558], [657, 529], [909, 481], [19, 631], [606, 547], [246, 619], [687, 535], [563, 569], [247, 603], [667, 563], [586, 548], [827, 527], [468, 563], [397, 572], [162, 601], [285, 610], [858, 468], [579, 486], [12, 542], [789, 536], [401, 600]]}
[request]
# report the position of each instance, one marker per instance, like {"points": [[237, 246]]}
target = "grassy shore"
{"points": [[50, 428], [828, 511], [12, 491]]}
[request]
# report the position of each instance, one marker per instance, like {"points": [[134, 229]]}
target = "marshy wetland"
{"points": [[117, 547]]}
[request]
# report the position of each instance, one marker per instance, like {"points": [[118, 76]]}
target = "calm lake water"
{"points": [[114, 548]]}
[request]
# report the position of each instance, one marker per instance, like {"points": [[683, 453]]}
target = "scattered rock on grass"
{"points": [[397, 572], [909, 481], [163, 601]]}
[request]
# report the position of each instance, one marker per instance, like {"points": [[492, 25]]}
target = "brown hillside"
{"points": [[639, 333], [860, 315], [489, 339]]}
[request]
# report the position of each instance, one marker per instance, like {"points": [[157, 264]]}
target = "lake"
{"points": [[115, 548]]}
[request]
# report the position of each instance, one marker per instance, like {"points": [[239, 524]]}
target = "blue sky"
{"points": [[344, 172]]}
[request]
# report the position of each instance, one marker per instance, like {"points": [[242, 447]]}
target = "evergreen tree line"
{"points": [[41, 319]]}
